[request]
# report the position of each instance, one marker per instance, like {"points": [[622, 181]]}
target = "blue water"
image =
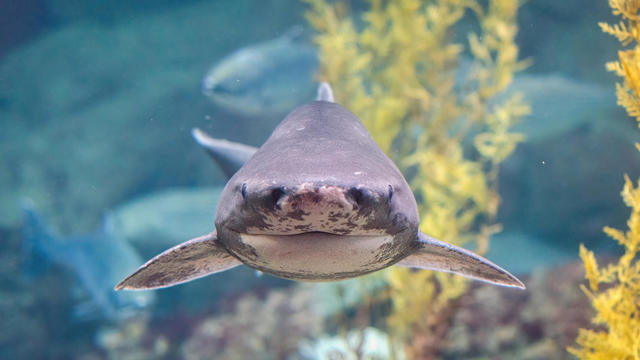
{"points": [[97, 103]]}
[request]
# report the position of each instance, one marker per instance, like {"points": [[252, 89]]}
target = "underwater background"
{"points": [[502, 116]]}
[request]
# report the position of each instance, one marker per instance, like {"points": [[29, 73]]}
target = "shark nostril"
{"points": [[357, 195], [276, 195], [243, 191]]}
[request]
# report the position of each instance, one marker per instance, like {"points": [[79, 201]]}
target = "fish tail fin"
{"points": [[37, 239]]}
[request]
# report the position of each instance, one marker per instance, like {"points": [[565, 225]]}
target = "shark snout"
{"points": [[307, 198], [313, 207], [310, 197]]}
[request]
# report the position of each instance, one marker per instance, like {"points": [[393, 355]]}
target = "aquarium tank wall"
{"points": [[319, 179]]}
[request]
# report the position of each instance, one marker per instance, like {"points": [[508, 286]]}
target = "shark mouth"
{"points": [[317, 256]]}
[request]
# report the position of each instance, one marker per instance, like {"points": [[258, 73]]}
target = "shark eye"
{"points": [[276, 194], [390, 192], [244, 191]]}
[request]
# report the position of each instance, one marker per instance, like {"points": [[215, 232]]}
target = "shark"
{"points": [[318, 201], [96, 260]]}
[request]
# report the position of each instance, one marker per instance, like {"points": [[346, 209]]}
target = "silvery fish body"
{"points": [[158, 220], [268, 78]]}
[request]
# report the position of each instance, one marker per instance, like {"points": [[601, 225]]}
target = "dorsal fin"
{"points": [[324, 92]]}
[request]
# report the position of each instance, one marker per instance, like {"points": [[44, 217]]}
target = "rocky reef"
{"points": [[491, 322], [540, 323]]}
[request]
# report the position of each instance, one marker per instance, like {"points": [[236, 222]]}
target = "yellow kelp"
{"points": [[399, 72], [627, 32], [614, 290], [617, 305]]}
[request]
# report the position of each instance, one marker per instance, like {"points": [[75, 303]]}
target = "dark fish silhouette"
{"points": [[96, 260]]}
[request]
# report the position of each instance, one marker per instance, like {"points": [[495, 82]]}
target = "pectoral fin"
{"points": [[438, 255], [190, 260]]}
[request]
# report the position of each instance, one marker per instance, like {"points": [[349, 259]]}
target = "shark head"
{"points": [[327, 207], [320, 181]]}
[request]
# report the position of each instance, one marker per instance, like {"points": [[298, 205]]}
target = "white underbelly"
{"points": [[318, 256]]}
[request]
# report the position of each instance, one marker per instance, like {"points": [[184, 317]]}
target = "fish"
{"points": [[265, 79], [160, 219], [96, 260], [560, 104], [318, 201], [228, 155]]}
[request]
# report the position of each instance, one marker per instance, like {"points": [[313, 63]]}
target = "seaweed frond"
{"points": [[614, 290], [627, 31]]}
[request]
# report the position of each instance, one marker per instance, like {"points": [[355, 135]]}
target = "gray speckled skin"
{"points": [[319, 144], [190, 260]]}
